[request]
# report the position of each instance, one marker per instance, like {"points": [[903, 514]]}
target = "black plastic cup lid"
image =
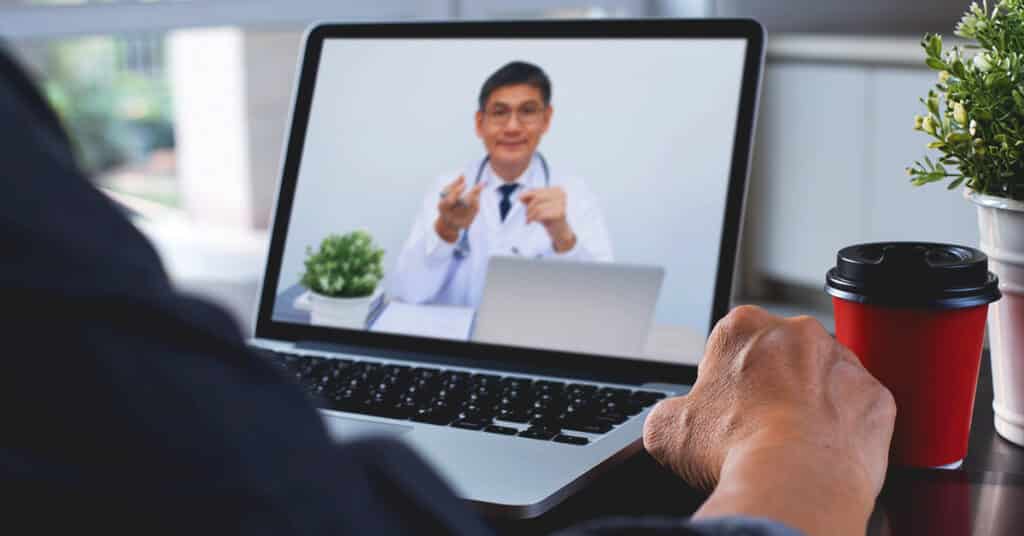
{"points": [[913, 274]]}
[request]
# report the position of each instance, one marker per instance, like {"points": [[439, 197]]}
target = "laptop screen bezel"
{"points": [[609, 368]]}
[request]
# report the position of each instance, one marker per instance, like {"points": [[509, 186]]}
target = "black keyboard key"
{"points": [[612, 418], [648, 397], [540, 432], [590, 428], [572, 440], [512, 415], [548, 385], [632, 409], [472, 412], [503, 430], [613, 393], [517, 384], [469, 425], [581, 388]]}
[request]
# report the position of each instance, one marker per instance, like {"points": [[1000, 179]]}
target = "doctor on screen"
{"points": [[512, 201]]}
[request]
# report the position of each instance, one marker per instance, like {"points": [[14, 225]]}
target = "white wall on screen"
{"points": [[649, 124]]}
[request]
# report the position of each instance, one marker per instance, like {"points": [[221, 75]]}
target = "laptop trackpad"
{"points": [[345, 428]]}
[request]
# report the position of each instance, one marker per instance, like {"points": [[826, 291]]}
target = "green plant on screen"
{"points": [[345, 266]]}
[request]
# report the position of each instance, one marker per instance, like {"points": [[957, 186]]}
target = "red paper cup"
{"points": [[914, 313]]}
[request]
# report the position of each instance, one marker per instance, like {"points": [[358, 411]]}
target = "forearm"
{"points": [[810, 491]]}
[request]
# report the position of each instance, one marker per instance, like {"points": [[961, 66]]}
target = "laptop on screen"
{"points": [[568, 306], [485, 233]]}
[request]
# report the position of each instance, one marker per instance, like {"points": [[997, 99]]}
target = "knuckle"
{"points": [[745, 315], [658, 427], [882, 395], [741, 320], [807, 326]]}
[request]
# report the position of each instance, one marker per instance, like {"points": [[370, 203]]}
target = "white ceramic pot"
{"points": [[1001, 222], [340, 312]]}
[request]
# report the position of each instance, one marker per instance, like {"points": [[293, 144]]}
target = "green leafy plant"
{"points": [[976, 110], [345, 266]]}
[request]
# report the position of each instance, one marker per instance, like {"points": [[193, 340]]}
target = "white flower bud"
{"points": [[928, 125], [918, 120], [960, 113], [973, 128], [982, 63], [943, 76]]}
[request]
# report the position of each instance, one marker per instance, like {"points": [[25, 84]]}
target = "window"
{"points": [[113, 96]]}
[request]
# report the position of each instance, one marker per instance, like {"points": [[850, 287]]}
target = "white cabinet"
{"points": [[832, 144], [896, 209]]}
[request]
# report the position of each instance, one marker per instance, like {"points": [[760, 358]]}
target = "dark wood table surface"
{"points": [[926, 501]]}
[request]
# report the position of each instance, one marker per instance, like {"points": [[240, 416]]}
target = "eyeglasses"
{"points": [[528, 114]]}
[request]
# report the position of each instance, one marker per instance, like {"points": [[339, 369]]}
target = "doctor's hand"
{"points": [[783, 422], [455, 211], [547, 206]]}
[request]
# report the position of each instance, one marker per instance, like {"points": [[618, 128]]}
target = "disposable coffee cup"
{"points": [[914, 314]]}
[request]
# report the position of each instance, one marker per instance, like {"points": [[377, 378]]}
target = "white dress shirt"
{"points": [[428, 269]]}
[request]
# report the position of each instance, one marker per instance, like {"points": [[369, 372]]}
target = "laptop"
{"points": [[632, 139], [568, 306]]}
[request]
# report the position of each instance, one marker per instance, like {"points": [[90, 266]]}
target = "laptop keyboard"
{"points": [[489, 403]]}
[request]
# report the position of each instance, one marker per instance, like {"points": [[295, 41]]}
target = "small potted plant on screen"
{"points": [[343, 276]]}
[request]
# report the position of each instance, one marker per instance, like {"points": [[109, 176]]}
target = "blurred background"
{"points": [[178, 108]]}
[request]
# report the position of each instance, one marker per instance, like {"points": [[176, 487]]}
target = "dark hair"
{"points": [[514, 73]]}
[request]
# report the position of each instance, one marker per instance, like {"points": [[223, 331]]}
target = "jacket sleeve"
{"points": [[129, 407]]}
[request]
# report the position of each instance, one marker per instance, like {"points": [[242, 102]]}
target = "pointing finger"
{"points": [[454, 193], [451, 185], [474, 194]]}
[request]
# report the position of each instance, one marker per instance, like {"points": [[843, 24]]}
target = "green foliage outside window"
{"points": [[114, 115]]}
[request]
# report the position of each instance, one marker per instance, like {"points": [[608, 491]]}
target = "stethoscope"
{"points": [[462, 249]]}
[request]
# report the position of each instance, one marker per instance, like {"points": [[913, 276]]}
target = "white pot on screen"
{"points": [[348, 313]]}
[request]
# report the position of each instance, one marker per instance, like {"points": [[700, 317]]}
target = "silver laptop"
{"points": [[568, 306], [419, 154]]}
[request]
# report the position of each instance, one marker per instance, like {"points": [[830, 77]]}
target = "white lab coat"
{"points": [[427, 270]]}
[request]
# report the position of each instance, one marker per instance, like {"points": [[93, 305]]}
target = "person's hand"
{"points": [[456, 212], [547, 207], [778, 403]]}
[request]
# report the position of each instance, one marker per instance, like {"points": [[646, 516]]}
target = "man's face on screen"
{"points": [[512, 123]]}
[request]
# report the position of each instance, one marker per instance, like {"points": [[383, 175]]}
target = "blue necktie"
{"points": [[505, 204]]}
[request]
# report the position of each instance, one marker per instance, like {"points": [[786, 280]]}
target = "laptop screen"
{"points": [[598, 168]]}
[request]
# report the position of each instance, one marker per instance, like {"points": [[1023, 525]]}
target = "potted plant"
{"points": [[975, 115], [343, 277]]}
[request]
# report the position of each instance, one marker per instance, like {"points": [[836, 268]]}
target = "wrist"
{"points": [[815, 490], [562, 237], [448, 233]]}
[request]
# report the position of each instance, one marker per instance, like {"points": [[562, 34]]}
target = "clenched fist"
{"points": [[547, 206], [779, 401], [455, 211]]}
